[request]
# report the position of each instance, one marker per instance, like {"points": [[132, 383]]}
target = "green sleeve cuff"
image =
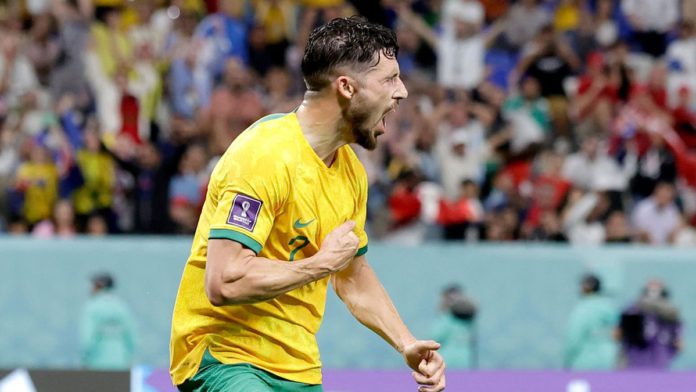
{"points": [[226, 234], [361, 251]]}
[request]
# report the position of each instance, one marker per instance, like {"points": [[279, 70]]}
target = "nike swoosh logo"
{"points": [[300, 225]]}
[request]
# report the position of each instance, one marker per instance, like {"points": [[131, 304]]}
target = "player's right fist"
{"points": [[340, 246]]}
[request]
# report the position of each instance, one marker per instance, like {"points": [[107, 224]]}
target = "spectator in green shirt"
{"points": [[590, 340], [107, 331], [454, 328]]}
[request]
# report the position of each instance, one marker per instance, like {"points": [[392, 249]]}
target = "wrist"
{"points": [[401, 345], [317, 266]]}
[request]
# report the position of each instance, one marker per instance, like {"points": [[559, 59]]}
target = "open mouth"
{"points": [[384, 117]]}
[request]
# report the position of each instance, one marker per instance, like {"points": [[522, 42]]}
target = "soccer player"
{"points": [[284, 215]]}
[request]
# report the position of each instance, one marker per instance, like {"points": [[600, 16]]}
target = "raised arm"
{"points": [[361, 291], [235, 275], [414, 22]]}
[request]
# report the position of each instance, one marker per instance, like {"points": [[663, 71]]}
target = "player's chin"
{"points": [[369, 141], [372, 140]]}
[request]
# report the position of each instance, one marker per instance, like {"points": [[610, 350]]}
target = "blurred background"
{"points": [[532, 204]]}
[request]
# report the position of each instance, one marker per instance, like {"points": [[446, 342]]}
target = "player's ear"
{"points": [[345, 86]]}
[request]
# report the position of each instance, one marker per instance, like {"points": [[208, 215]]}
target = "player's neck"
{"points": [[321, 124]]}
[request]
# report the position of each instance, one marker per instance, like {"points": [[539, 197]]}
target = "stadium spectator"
{"points": [[583, 217], [685, 117], [68, 72], [617, 230], [680, 59], [550, 59], [17, 75], [97, 169], [223, 36], [36, 185], [462, 218], [549, 228], [656, 164], [530, 104], [461, 45], [651, 21], [657, 217], [548, 192], [107, 328], [143, 71], [276, 19], [222, 124], [187, 188], [590, 343], [455, 328], [650, 329], [96, 226], [523, 21], [188, 83], [606, 29], [43, 46], [593, 168], [62, 224]]}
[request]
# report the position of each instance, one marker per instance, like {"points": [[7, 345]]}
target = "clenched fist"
{"points": [[339, 246]]}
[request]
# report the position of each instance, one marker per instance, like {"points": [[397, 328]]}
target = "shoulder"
{"points": [[267, 147], [644, 205]]}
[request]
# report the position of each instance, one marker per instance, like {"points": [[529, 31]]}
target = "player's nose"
{"points": [[401, 91]]}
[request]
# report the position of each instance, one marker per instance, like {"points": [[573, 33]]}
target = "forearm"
{"points": [[361, 291], [256, 279]]}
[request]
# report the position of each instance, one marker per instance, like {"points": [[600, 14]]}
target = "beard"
{"points": [[359, 121]]}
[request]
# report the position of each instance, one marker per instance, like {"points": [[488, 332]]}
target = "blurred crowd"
{"points": [[535, 120]]}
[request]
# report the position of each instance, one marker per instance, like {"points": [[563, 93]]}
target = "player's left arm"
{"points": [[368, 301]]}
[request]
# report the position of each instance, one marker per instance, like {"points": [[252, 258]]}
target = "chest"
{"points": [[317, 203]]}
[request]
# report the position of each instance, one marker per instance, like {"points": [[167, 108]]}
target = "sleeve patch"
{"points": [[244, 212]]}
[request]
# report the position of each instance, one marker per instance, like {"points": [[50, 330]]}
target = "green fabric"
{"points": [[590, 343], [107, 333], [361, 251], [214, 376], [216, 234], [538, 109], [455, 337], [269, 117]]}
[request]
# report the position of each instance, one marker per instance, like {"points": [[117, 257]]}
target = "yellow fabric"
{"points": [[108, 3], [303, 200], [276, 19], [113, 48], [567, 17], [322, 3], [41, 190], [98, 172], [129, 17]]}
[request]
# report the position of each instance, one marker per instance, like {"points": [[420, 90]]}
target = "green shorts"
{"points": [[214, 376]]}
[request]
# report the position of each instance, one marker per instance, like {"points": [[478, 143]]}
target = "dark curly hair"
{"points": [[345, 42]]}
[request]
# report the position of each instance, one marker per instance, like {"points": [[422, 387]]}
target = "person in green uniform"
{"points": [[107, 328], [454, 328], [591, 337]]}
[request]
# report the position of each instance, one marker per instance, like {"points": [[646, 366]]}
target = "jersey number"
{"points": [[302, 241]]}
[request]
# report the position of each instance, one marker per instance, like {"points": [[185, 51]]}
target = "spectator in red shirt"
{"points": [[233, 107]]}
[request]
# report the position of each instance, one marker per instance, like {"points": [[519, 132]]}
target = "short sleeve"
{"points": [[250, 195], [360, 216]]}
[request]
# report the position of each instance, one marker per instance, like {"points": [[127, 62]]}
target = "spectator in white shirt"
{"points": [[592, 168], [681, 59], [657, 217], [461, 46], [651, 20], [582, 217], [524, 20]]}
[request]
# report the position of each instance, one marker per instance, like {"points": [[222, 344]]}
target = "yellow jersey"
{"points": [[100, 176], [274, 195], [40, 182]]}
